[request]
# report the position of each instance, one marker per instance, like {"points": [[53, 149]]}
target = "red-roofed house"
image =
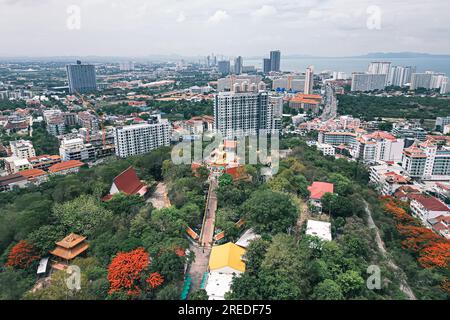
{"points": [[403, 192], [71, 166], [427, 207], [441, 225], [128, 183], [317, 190], [36, 176]]}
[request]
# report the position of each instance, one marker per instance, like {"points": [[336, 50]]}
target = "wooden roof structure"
{"points": [[70, 247]]}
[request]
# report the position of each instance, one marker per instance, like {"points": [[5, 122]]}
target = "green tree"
{"points": [[327, 290], [84, 215], [199, 295], [269, 212]]}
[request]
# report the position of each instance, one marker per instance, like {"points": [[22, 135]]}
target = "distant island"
{"points": [[390, 55]]}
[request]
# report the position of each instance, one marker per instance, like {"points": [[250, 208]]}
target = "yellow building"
{"points": [[227, 259]]}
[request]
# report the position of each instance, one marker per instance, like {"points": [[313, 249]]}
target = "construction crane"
{"points": [[89, 106]]}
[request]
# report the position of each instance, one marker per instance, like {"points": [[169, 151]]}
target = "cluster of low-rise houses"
{"points": [[412, 166]]}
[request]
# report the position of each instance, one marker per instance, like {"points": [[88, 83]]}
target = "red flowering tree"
{"points": [[22, 255], [155, 280], [180, 252], [125, 271], [437, 255]]}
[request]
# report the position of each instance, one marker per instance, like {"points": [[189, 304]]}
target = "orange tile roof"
{"points": [[382, 135], [318, 189], [65, 166], [32, 173], [69, 254], [71, 241], [70, 247]]}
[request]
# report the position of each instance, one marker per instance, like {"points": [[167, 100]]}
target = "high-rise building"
{"points": [[378, 146], [275, 60], [142, 138], [309, 80], [229, 83], [441, 122], [445, 88], [379, 67], [266, 65], [276, 105], [22, 149], [81, 77], [224, 67], [76, 149], [427, 161], [238, 63], [242, 113], [126, 66], [437, 80], [421, 80], [292, 82], [400, 76], [368, 82]]}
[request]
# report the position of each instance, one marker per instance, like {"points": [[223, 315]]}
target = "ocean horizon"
{"points": [[356, 64]]}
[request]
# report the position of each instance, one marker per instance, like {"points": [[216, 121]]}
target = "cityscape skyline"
{"points": [[345, 27]]}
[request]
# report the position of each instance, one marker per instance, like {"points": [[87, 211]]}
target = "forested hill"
{"points": [[371, 107]]}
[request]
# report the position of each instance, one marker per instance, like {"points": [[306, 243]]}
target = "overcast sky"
{"points": [[231, 27]]}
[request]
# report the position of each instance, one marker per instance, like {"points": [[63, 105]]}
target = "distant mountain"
{"points": [[390, 55]]}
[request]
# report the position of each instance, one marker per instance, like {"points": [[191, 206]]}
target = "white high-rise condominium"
{"points": [[368, 82], [400, 76], [142, 138], [276, 106], [445, 88], [379, 67], [421, 80], [309, 80], [437, 80], [242, 113]]}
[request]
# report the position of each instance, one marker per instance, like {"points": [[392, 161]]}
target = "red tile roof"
{"points": [[65, 166], [318, 189], [429, 203], [382, 135], [32, 173], [128, 182]]}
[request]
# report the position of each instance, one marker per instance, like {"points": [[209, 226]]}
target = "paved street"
{"points": [[198, 268], [207, 234]]}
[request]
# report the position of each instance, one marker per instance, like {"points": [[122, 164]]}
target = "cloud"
{"points": [[265, 11], [218, 16]]}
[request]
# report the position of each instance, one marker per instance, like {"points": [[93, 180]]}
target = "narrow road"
{"points": [[199, 266], [202, 250], [404, 287], [207, 234]]}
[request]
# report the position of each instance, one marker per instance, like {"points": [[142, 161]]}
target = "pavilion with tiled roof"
{"points": [[68, 249]]}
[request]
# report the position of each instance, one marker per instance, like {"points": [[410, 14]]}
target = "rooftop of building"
{"points": [[227, 255], [318, 189], [65, 166]]}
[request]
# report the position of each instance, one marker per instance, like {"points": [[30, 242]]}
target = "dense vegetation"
{"points": [[138, 252], [372, 107], [39, 216], [286, 264]]}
